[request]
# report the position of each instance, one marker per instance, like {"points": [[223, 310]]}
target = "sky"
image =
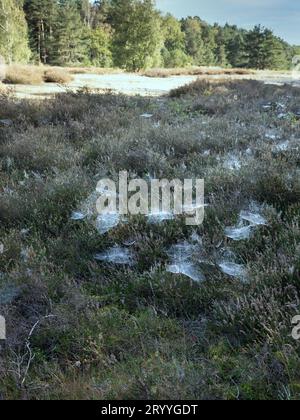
{"points": [[283, 16]]}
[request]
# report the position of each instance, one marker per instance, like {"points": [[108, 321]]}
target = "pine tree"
{"points": [[194, 44], [265, 51], [70, 38], [85, 9], [221, 57], [275, 52], [236, 51], [41, 17], [209, 34], [100, 13], [13, 32], [220, 52]]}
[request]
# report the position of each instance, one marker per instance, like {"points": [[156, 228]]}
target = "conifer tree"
{"points": [[85, 8], [210, 45], [100, 13], [220, 52], [236, 53], [265, 51], [70, 38], [41, 17], [194, 44]]}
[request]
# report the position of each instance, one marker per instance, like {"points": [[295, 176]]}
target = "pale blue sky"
{"points": [[283, 16]]}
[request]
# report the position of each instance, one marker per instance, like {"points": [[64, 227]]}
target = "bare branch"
{"points": [[29, 352]]}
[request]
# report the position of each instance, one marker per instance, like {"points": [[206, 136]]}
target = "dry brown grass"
{"points": [[17, 74], [24, 75], [36, 75], [196, 71], [93, 70], [58, 75]]}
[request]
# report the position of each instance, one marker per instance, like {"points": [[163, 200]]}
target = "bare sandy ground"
{"points": [[133, 84]]}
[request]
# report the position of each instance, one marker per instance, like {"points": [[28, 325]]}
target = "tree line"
{"points": [[130, 34]]}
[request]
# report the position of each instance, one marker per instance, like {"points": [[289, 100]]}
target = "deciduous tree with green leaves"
{"points": [[100, 47], [13, 32], [137, 39], [194, 44], [173, 52]]}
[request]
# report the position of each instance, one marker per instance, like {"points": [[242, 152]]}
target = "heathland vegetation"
{"points": [[129, 34], [83, 328], [146, 307]]}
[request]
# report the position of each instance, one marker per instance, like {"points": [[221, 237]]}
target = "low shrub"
{"points": [[24, 75], [57, 75], [196, 71]]}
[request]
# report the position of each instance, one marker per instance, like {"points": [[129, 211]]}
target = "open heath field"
{"points": [[148, 307]]}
